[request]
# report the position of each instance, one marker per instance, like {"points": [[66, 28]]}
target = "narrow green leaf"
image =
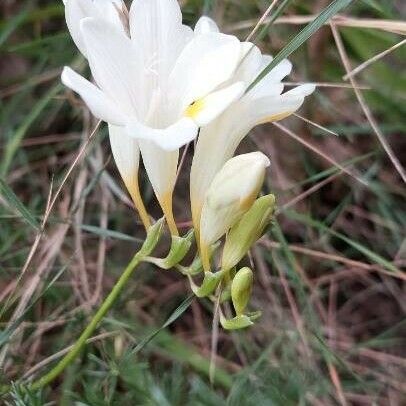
{"points": [[261, 34], [174, 316], [14, 142], [15, 203], [6, 334], [356, 245], [332, 9], [104, 232], [12, 24]]}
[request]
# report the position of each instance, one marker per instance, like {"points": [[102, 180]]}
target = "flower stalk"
{"points": [[153, 236], [88, 331]]}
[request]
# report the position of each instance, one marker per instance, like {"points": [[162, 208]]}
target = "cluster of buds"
{"points": [[233, 210]]}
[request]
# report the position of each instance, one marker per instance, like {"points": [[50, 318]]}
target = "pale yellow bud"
{"points": [[231, 194]]}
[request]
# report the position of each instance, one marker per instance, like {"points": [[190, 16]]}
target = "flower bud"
{"points": [[241, 288], [152, 239], [247, 231], [230, 195]]}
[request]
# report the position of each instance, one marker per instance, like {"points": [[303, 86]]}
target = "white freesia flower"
{"points": [[264, 103], [231, 193], [156, 79], [125, 149]]}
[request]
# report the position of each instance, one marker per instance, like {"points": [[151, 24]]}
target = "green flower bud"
{"points": [[209, 284], [153, 236], [179, 248], [241, 288], [239, 322], [247, 231]]}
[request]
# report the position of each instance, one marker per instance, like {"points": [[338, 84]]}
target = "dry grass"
{"points": [[329, 273]]}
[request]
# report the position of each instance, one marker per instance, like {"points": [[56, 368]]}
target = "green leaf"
{"points": [[105, 232], [356, 245], [239, 322], [15, 203], [6, 333], [332, 9], [14, 142], [179, 248], [272, 19], [210, 282], [12, 24], [174, 316]]}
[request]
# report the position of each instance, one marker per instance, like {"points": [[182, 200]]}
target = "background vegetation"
{"points": [[328, 273]]}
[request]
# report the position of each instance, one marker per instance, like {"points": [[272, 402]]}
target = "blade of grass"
{"points": [[272, 18], [175, 315], [11, 25], [356, 245], [332, 9], [104, 232], [7, 333], [15, 203], [15, 141]]}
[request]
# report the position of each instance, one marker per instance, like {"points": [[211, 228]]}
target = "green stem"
{"points": [[81, 342]]}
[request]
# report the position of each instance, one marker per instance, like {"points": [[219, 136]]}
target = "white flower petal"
{"points": [[170, 138], [218, 141], [302, 90], [112, 61], [208, 108], [281, 70], [159, 36], [268, 109], [76, 10], [205, 25], [271, 84], [98, 102], [161, 167], [250, 63], [206, 62], [126, 153]]}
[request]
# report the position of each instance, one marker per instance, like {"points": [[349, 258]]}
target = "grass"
{"points": [[329, 273]]}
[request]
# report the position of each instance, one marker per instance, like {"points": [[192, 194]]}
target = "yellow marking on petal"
{"points": [[195, 108], [276, 117], [246, 203], [166, 204], [196, 208], [132, 185], [205, 254]]}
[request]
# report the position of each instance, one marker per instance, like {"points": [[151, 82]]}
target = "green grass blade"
{"points": [[356, 245], [175, 315], [104, 232], [7, 333], [332, 9], [15, 203], [15, 140], [261, 34], [14, 23]]}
